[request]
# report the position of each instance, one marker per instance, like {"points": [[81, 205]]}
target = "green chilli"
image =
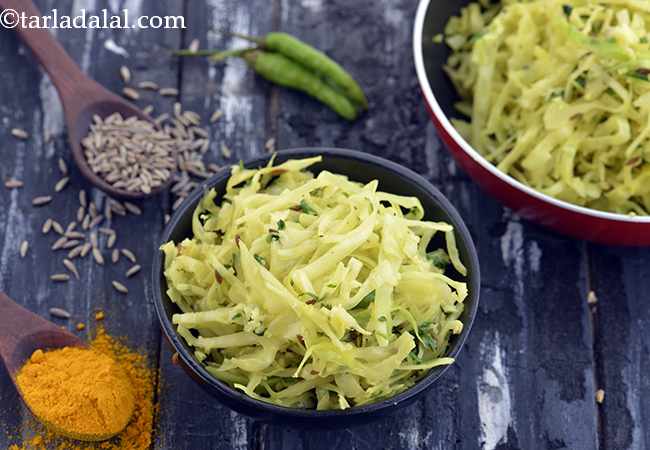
{"points": [[281, 70], [314, 60]]}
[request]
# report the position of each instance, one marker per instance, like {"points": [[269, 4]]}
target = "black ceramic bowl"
{"points": [[359, 167]]}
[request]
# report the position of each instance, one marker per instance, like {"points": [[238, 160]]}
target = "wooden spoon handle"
{"points": [[22, 332], [64, 72]]}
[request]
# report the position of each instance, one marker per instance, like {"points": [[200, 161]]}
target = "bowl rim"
{"points": [[430, 97], [463, 235]]}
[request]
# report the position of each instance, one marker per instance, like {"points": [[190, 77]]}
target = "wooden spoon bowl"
{"points": [[81, 96]]}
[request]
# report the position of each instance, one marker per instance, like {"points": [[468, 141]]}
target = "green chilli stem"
{"points": [[195, 53], [258, 41], [220, 56]]}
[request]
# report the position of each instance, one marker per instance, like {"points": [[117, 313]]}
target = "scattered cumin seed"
{"points": [[74, 235], [12, 183], [125, 73], [47, 226], [19, 133], [147, 110], [194, 45], [115, 256], [85, 249], [72, 254], [96, 221], [225, 151], [110, 242], [85, 224], [148, 85], [71, 244], [130, 93], [216, 116], [63, 167], [56, 226], [129, 254], [24, 247], [168, 92], [93, 240], [591, 298], [166, 219], [106, 231], [83, 198], [41, 200], [600, 396], [133, 270], [119, 287], [59, 243], [97, 255], [178, 203], [71, 267], [60, 277], [61, 184], [59, 313], [133, 209], [270, 145]]}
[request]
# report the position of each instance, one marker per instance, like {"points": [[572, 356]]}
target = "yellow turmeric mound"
{"points": [[138, 433], [79, 392]]}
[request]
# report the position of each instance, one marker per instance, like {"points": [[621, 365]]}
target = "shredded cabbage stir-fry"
{"points": [[558, 92], [315, 291]]}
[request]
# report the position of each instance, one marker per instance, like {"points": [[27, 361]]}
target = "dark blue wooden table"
{"points": [[539, 351]]}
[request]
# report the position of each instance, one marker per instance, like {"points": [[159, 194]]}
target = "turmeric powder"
{"points": [[79, 392], [138, 433]]}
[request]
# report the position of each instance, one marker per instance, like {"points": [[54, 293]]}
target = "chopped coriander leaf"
{"points": [[476, 36], [272, 237], [261, 260], [310, 295], [429, 341], [439, 258], [241, 164], [306, 208], [281, 224], [414, 356], [568, 9], [365, 302], [640, 74], [236, 316], [332, 285]]}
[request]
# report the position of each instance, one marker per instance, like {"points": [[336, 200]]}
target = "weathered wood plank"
{"points": [[234, 90], [30, 101], [621, 281]]}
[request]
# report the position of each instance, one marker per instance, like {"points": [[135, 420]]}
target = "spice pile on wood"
{"points": [[105, 390]]}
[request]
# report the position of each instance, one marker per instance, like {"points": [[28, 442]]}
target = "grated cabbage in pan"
{"points": [[558, 92], [314, 292]]}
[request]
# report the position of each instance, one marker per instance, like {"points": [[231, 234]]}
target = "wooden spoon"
{"points": [[23, 332], [81, 96]]}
